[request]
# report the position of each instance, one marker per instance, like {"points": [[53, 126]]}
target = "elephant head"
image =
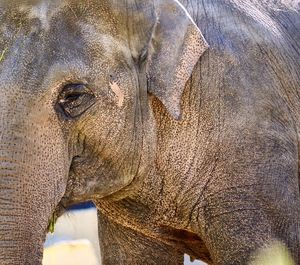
{"points": [[76, 119]]}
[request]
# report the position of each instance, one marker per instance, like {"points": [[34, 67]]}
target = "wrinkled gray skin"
{"points": [[209, 168]]}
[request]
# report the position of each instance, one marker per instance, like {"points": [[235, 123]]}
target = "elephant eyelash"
{"points": [[74, 100], [69, 82]]}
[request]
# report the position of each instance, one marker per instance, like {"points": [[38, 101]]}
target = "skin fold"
{"points": [[180, 121]]}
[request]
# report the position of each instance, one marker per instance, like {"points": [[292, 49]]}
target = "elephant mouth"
{"points": [[61, 208]]}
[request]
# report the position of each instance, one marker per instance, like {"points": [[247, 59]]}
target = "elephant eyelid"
{"points": [[74, 100], [74, 88]]}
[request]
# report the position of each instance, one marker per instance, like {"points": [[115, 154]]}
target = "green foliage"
{"points": [[51, 224], [2, 54]]}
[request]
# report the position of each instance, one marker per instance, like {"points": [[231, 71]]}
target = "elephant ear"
{"points": [[175, 46]]}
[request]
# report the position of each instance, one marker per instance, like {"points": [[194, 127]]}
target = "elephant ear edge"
{"points": [[174, 49]]}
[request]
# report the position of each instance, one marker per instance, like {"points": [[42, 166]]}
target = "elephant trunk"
{"points": [[27, 201], [34, 165], [21, 232]]}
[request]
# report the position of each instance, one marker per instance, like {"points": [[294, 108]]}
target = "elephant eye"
{"points": [[74, 100]]}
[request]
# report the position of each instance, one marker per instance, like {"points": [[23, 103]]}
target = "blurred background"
{"points": [[75, 239]]}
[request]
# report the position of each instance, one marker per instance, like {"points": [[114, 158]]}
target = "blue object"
{"points": [[82, 206]]}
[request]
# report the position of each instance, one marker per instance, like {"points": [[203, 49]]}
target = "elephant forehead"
{"points": [[32, 47], [59, 21], [38, 38], [41, 12], [46, 11]]}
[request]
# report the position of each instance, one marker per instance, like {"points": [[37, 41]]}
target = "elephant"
{"points": [[180, 120]]}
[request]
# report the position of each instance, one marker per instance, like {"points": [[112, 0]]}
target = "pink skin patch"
{"points": [[118, 93]]}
